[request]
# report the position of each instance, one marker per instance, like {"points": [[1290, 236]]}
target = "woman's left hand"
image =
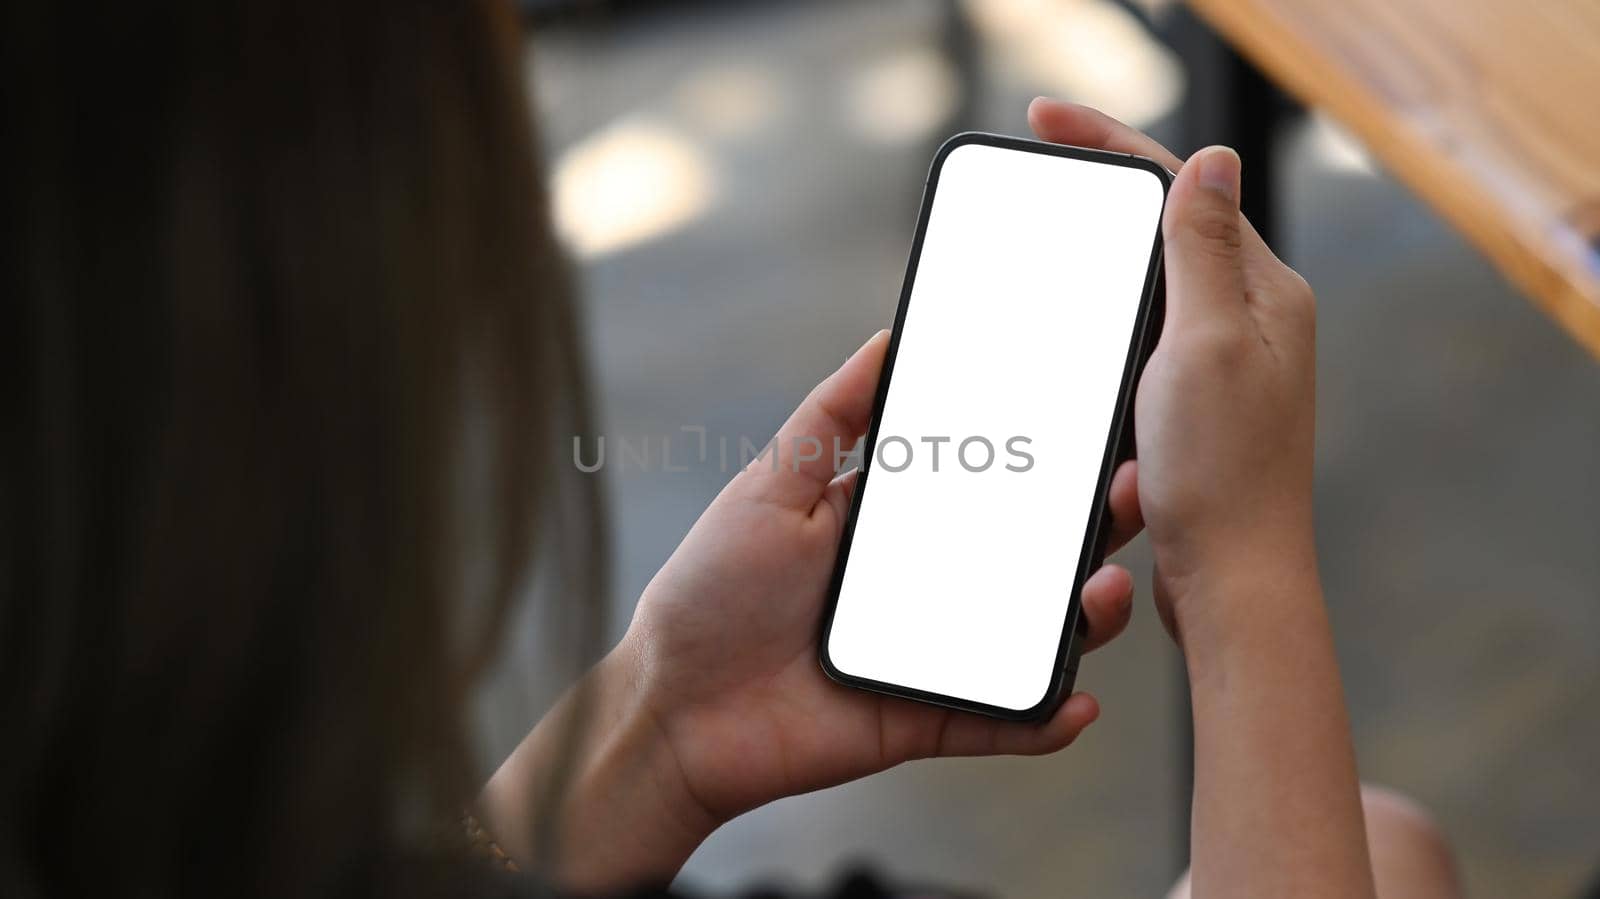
{"points": [[715, 700]]}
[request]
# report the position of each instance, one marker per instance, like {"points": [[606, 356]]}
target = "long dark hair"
{"points": [[288, 357]]}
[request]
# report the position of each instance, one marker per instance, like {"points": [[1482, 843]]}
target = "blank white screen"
{"points": [[1021, 313]]}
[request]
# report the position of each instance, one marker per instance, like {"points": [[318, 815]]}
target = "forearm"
{"points": [[1277, 809], [624, 818]]}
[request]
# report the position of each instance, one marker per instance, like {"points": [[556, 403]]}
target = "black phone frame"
{"points": [[1119, 441]]}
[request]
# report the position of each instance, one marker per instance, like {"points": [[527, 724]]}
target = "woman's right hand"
{"points": [[1225, 409], [1224, 432]]}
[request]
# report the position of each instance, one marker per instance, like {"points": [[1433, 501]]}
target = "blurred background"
{"points": [[738, 183]]}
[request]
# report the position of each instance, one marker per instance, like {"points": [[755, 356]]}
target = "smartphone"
{"points": [[1030, 302]]}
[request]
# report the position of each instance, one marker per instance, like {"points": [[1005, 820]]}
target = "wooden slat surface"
{"points": [[1488, 109]]}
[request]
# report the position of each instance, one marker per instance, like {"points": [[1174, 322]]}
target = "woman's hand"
{"points": [[723, 647], [1224, 418], [1226, 406], [714, 702]]}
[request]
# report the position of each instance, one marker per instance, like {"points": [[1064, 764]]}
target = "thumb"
{"points": [[798, 465], [1204, 233]]}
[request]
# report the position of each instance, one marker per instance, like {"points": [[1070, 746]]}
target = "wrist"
{"points": [[631, 816], [625, 816], [1259, 598]]}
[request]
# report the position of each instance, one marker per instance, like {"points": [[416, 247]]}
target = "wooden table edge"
{"points": [[1546, 277]]}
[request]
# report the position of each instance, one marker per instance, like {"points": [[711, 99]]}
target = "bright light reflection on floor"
{"points": [[1087, 51], [900, 99], [631, 182]]}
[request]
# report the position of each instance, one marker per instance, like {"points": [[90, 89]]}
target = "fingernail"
{"points": [[1219, 171], [860, 349]]}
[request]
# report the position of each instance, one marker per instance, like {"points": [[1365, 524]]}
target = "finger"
{"points": [[1203, 233], [1127, 518], [965, 734], [1107, 605], [1061, 122], [798, 465], [1081, 126], [839, 495]]}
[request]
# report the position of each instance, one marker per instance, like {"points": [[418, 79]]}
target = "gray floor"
{"points": [[1458, 488]]}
